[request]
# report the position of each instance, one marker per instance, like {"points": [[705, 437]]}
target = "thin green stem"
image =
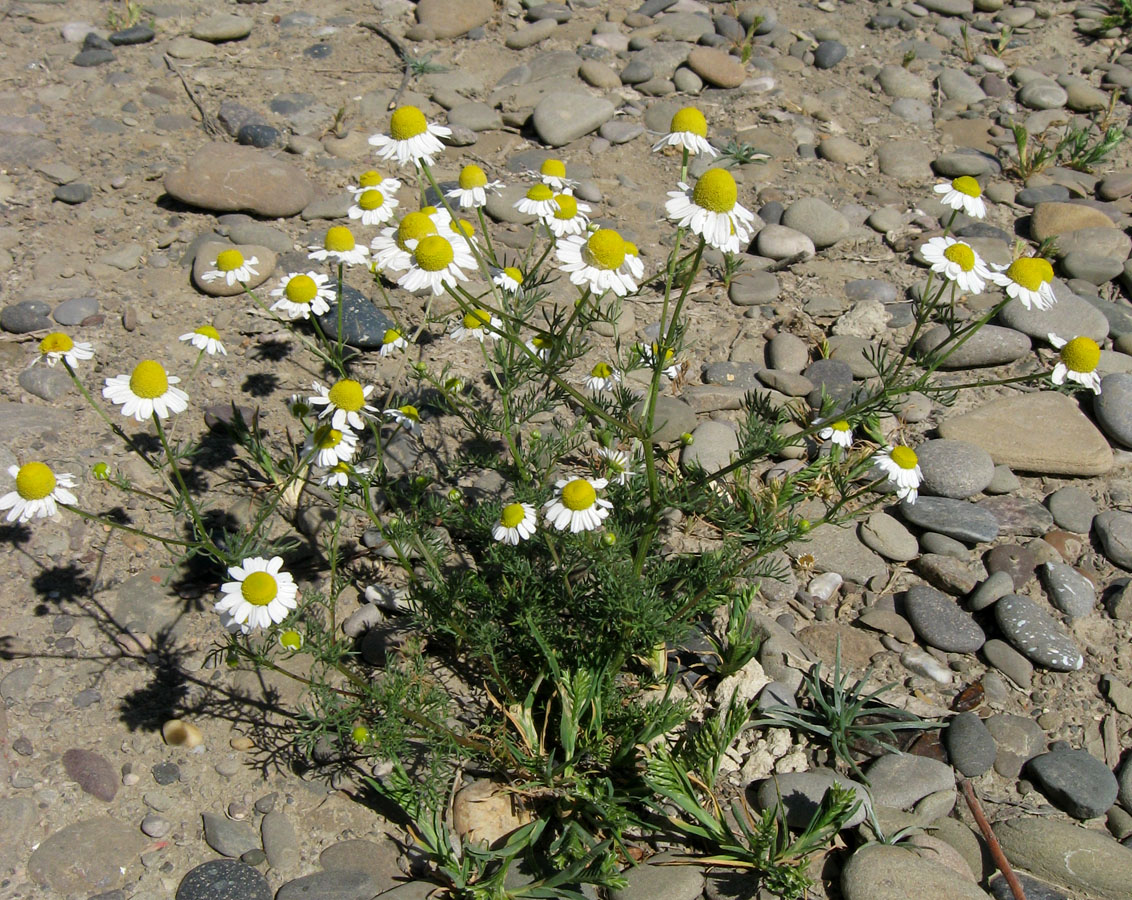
{"points": [[114, 426], [194, 513]]}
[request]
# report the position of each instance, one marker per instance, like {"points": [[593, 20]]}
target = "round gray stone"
{"points": [[970, 745], [899, 780], [828, 54], [1114, 528], [1072, 509], [1113, 407], [959, 519], [561, 117], [713, 446], [1069, 591], [802, 793], [888, 537], [787, 353], [223, 879], [817, 220], [44, 382], [954, 469], [29, 315], [1035, 634], [1042, 93], [940, 622], [72, 312], [753, 289], [1075, 782]]}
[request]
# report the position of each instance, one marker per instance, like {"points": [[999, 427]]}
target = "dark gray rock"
{"points": [[953, 469], [1113, 407], [74, 193], [802, 792], [72, 312], [898, 780], [970, 745], [256, 134], [223, 879], [1074, 781], [334, 884], [828, 54], [87, 59], [1070, 591], [1035, 634], [44, 382], [832, 378], [959, 519], [1114, 528], [1000, 889], [363, 324], [940, 622], [20, 318], [138, 34]]}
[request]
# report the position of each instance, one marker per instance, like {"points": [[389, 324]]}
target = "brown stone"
{"points": [[716, 67], [1053, 218], [233, 178]]}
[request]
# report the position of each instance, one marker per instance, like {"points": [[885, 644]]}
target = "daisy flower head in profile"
{"points": [[59, 346], [345, 402], [339, 475], [339, 246], [509, 278], [569, 216], [407, 417], [517, 522], [260, 593], [552, 173], [1077, 360], [540, 346], [1029, 280], [958, 262], [392, 341], [476, 324], [618, 464], [291, 640], [577, 507], [374, 180], [538, 201], [472, 187], [206, 339], [231, 266], [902, 467], [436, 262], [391, 248], [648, 359], [330, 445], [38, 490], [963, 194], [633, 265], [303, 293], [603, 377], [147, 391], [688, 130], [838, 432], [411, 139], [712, 211], [597, 261], [373, 207]]}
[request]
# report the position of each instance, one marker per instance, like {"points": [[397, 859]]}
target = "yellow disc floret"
{"points": [[149, 380], [56, 342], [339, 239], [1030, 271], [327, 438], [433, 253], [259, 588], [34, 481], [462, 227], [1081, 354], [716, 191], [371, 199], [229, 260], [476, 319], [540, 192], [410, 412], [301, 289], [347, 394], [605, 249], [566, 207], [839, 425], [370, 178], [601, 370], [965, 184], [579, 494], [512, 515], [413, 227], [690, 120], [391, 336], [291, 640], [472, 176], [905, 457], [962, 255], [407, 122], [514, 274], [208, 331], [553, 168]]}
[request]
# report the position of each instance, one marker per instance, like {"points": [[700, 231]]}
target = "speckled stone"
{"points": [[940, 622], [1035, 634]]}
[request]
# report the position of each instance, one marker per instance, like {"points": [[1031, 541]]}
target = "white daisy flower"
{"points": [[339, 245], [902, 467], [712, 211], [411, 138], [477, 324], [957, 262], [509, 278], [538, 201], [407, 417], [569, 216], [540, 346], [648, 359], [1028, 280], [374, 180], [206, 339], [618, 464], [330, 445], [373, 207], [37, 491], [473, 187], [260, 593], [552, 172], [340, 473], [597, 261], [840, 432], [436, 262], [688, 130], [603, 377], [231, 266], [58, 346], [633, 266], [147, 391], [392, 341], [301, 294], [577, 506], [517, 522], [1077, 361], [392, 248], [964, 194], [345, 400]]}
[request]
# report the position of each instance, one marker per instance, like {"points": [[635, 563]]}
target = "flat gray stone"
{"points": [[1035, 634], [991, 345], [888, 537], [222, 28], [562, 117], [229, 837], [884, 872], [953, 469], [1068, 317], [898, 780], [940, 622], [646, 881], [223, 879], [92, 772], [231, 178], [970, 746], [802, 793], [1069, 591], [1113, 407], [87, 856], [1074, 781], [817, 220], [959, 519], [1114, 528], [1072, 857], [836, 548], [1072, 509], [713, 447]]}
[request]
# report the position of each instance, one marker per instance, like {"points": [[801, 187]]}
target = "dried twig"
{"points": [[206, 120], [402, 54], [992, 841]]}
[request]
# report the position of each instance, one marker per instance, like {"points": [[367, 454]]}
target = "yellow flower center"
{"points": [[472, 176], [56, 342], [149, 380], [462, 227], [579, 494], [514, 274], [339, 239], [327, 438], [301, 289], [604, 250], [1031, 272], [601, 370], [391, 336], [347, 394], [691, 120], [433, 253], [965, 184], [553, 168], [631, 248], [229, 260], [476, 319], [1081, 354], [716, 191], [962, 255], [34, 481], [540, 192], [413, 227], [259, 588], [371, 200], [291, 640], [839, 425], [905, 457], [371, 178], [567, 207], [407, 122], [209, 332], [409, 412], [540, 343], [512, 515]]}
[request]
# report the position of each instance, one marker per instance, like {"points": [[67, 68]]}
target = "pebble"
{"points": [[1018, 739], [1069, 317], [74, 311], [1042, 93], [654, 879], [86, 59], [787, 353], [817, 220], [205, 261], [753, 289], [1072, 857], [228, 838], [1070, 591], [257, 134], [954, 469], [1074, 781], [1114, 529], [561, 117], [888, 537], [1113, 407], [155, 825], [1010, 663], [898, 82], [802, 792], [991, 345], [529, 35], [92, 772], [1052, 219], [837, 549], [672, 419], [716, 67], [840, 149], [136, 34], [221, 28], [1034, 633], [46, 383], [1072, 509], [333, 884], [85, 857], [899, 780], [994, 588], [778, 242], [713, 446], [940, 622], [959, 519], [223, 879], [280, 842], [828, 54], [232, 178], [597, 74], [832, 379], [76, 192], [1125, 783], [1017, 515], [29, 315], [887, 872], [970, 746], [363, 324], [923, 663]]}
